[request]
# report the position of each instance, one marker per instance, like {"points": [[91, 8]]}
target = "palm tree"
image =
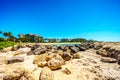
{"points": [[12, 38], [9, 34], [5, 34]]}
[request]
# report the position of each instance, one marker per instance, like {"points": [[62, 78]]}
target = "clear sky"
{"points": [[90, 19]]}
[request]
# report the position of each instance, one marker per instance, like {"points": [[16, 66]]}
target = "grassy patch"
{"points": [[6, 44]]}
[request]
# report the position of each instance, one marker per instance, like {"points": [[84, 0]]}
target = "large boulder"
{"points": [[13, 74], [63, 48], [113, 53], [46, 74], [108, 60], [15, 48], [74, 49], [106, 48], [101, 52], [82, 48], [110, 51], [55, 63], [118, 59], [22, 51], [97, 47], [42, 63], [40, 60], [85, 45], [77, 56], [27, 76], [66, 56], [7, 49], [60, 52], [49, 56], [54, 49], [91, 46], [39, 50], [15, 59], [29, 45], [33, 47]]}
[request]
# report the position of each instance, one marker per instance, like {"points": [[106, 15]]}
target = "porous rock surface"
{"points": [[90, 61]]}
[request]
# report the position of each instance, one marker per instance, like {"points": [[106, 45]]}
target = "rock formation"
{"points": [[88, 61]]}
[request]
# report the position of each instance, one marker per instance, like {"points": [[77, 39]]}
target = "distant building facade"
{"points": [[31, 37]]}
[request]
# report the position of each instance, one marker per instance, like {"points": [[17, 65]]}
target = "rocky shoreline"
{"points": [[89, 61]]}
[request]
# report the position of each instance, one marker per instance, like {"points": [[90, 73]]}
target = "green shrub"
{"points": [[6, 44]]}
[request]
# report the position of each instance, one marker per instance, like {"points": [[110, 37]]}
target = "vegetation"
{"points": [[9, 39], [65, 40], [6, 44], [52, 40], [79, 40]]}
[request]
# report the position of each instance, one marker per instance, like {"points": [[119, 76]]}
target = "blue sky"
{"points": [[90, 19]]}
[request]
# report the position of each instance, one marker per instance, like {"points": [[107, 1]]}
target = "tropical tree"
{"points": [[7, 34], [12, 38], [64, 40], [52, 40], [1, 39], [24, 39], [78, 40], [0, 32]]}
